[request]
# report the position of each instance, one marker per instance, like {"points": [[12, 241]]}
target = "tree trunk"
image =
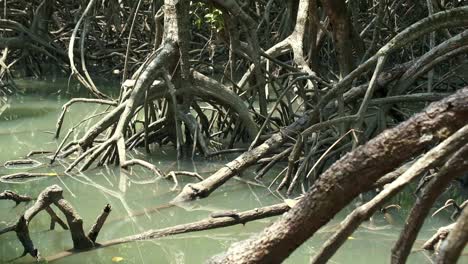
{"points": [[342, 32]]}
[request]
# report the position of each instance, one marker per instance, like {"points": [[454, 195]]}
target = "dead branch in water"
{"points": [[17, 198], [215, 221], [53, 195]]}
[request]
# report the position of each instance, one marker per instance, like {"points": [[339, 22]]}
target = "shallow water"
{"points": [[135, 200]]}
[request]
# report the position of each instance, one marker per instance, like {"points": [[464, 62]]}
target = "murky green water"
{"points": [[135, 200]]}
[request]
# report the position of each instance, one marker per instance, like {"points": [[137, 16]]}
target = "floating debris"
{"points": [[21, 164]]}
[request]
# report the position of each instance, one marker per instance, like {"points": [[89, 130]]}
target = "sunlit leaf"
{"points": [[117, 259]]}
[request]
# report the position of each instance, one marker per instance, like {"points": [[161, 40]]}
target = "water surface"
{"points": [[135, 198]]}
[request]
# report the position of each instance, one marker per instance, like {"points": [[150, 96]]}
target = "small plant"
{"points": [[207, 15]]}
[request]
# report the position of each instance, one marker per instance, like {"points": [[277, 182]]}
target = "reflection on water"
{"points": [[139, 203]]}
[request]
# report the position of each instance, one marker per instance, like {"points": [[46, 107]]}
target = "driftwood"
{"points": [[38, 152], [26, 175], [19, 162]]}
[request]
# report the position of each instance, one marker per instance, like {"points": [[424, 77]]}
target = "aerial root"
{"points": [[173, 175], [144, 164]]}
